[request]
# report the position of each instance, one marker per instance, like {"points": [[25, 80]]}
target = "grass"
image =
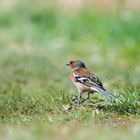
{"points": [[35, 89]]}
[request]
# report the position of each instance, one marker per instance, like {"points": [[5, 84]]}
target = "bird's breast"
{"points": [[81, 87]]}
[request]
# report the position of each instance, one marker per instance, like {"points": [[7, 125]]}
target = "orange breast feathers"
{"points": [[80, 87], [72, 76]]}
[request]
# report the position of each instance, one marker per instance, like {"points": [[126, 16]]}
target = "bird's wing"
{"points": [[90, 81]]}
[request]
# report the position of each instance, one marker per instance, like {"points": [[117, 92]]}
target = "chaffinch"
{"points": [[86, 81]]}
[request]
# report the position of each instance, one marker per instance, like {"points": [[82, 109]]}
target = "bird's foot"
{"points": [[78, 100], [79, 103], [74, 98]]}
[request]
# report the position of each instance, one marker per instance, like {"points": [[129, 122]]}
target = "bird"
{"points": [[86, 81]]}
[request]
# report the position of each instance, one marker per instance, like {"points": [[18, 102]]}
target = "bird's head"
{"points": [[76, 64]]}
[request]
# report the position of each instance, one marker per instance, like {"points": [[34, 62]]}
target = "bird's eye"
{"points": [[70, 62]]}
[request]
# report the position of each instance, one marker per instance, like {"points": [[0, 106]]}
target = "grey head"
{"points": [[80, 64]]}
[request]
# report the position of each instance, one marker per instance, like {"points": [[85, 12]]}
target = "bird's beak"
{"points": [[68, 65]]}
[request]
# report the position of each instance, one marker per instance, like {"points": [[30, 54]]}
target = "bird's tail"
{"points": [[105, 93]]}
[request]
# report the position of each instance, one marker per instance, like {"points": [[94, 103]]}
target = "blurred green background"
{"points": [[37, 39]]}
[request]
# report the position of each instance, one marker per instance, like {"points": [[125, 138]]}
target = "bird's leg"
{"points": [[80, 95], [88, 95], [87, 98], [74, 98], [77, 97]]}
